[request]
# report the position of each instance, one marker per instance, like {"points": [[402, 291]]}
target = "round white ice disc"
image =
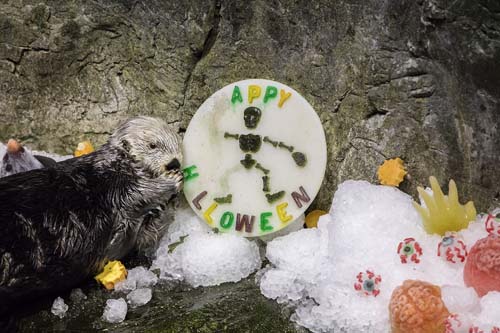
{"points": [[254, 158]]}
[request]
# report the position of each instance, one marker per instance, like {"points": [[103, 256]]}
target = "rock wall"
{"points": [[418, 79]]}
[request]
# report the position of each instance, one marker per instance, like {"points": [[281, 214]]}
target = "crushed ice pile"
{"points": [[188, 252], [193, 253], [316, 269], [136, 287]]}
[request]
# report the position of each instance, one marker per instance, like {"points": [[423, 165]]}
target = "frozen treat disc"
{"points": [[254, 158]]}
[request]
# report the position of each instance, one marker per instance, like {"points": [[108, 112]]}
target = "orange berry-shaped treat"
{"points": [[417, 307], [482, 268], [391, 172]]}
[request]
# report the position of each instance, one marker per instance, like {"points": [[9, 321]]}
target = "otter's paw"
{"points": [[170, 183]]}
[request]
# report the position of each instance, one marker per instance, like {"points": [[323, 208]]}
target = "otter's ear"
{"points": [[126, 145]]}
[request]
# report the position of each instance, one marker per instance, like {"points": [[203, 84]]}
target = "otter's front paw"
{"points": [[177, 177], [171, 182]]}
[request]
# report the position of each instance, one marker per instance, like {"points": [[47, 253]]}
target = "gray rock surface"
{"points": [[414, 79]]}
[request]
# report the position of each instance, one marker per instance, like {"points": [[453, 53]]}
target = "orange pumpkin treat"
{"points": [[417, 307]]}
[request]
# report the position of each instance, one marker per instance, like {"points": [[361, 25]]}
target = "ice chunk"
{"points": [[139, 297], [281, 285], [206, 259], [115, 310], [137, 277], [126, 285], [77, 295], [59, 308]]}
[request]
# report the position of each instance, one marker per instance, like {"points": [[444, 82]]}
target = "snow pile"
{"points": [[316, 269], [59, 308], [192, 252], [115, 311]]}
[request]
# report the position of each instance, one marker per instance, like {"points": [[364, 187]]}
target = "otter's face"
{"points": [[154, 147]]}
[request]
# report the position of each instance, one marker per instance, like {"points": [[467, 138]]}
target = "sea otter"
{"points": [[61, 224]]}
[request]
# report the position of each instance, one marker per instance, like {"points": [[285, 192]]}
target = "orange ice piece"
{"points": [[417, 307], [313, 217], [83, 148], [482, 268], [13, 146], [392, 172]]}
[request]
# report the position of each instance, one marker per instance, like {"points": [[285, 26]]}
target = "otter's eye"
{"points": [[152, 145]]}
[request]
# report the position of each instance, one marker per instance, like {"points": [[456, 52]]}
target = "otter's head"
{"points": [[153, 146]]}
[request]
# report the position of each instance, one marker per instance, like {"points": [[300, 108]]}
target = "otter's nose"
{"points": [[173, 165]]}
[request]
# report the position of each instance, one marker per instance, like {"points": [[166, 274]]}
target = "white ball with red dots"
{"points": [[254, 158]]}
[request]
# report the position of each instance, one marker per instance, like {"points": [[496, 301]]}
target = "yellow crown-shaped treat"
{"points": [[442, 213]]}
